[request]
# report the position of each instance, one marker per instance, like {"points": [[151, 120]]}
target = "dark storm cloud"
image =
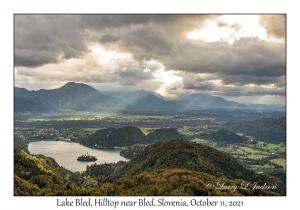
{"points": [[247, 56], [160, 36], [42, 39], [200, 85], [250, 79], [107, 38], [204, 84], [106, 22], [261, 93], [132, 75]]}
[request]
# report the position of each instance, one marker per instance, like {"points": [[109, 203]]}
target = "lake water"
{"points": [[66, 154]]}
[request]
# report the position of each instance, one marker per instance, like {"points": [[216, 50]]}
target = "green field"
{"points": [[200, 140], [279, 161], [145, 130], [91, 129], [260, 167], [272, 147], [126, 116], [256, 157], [183, 129], [253, 151], [234, 151], [206, 142], [64, 118], [91, 116]]}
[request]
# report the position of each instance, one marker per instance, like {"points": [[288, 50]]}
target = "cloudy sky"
{"points": [[237, 57]]}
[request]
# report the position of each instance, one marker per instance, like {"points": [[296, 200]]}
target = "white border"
{"points": [[8, 8]]}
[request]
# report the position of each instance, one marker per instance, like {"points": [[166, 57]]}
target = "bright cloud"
{"points": [[230, 28]]}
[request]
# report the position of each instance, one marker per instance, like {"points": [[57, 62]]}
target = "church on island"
{"points": [[87, 157]]}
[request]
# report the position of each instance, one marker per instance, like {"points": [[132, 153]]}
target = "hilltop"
{"points": [[112, 137], [224, 135], [161, 134], [127, 136]]}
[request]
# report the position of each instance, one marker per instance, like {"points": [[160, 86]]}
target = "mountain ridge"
{"points": [[145, 99], [73, 96], [82, 97]]}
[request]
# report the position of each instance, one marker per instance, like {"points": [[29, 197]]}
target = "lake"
{"points": [[66, 154]]}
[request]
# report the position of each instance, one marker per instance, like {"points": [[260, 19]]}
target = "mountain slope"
{"points": [[32, 105], [147, 100], [74, 96], [40, 175], [201, 101], [271, 130], [267, 107], [177, 182]]}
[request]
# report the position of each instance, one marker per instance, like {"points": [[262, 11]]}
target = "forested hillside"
{"points": [[112, 137], [270, 130], [127, 136], [71, 96], [224, 135], [40, 175]]}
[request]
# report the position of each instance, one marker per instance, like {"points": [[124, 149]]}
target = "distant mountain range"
{"points": [[71, 96], [149, 100], [81, 97], [201, 101]]}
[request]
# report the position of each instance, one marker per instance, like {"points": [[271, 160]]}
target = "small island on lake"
{"points": [[87, 157]]}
